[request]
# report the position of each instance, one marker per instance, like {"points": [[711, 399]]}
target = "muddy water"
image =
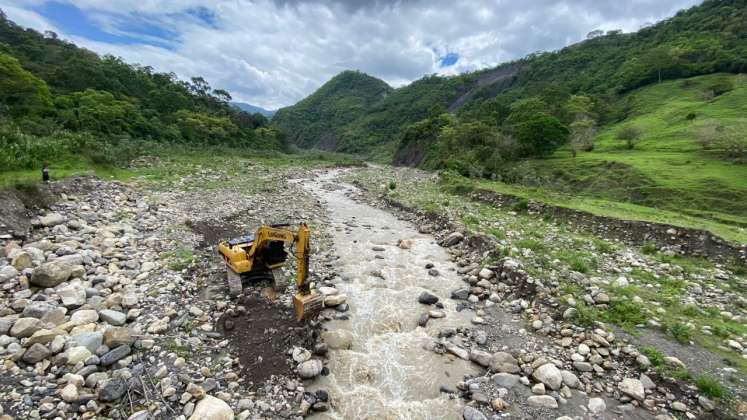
{"points": [[388, 373]]}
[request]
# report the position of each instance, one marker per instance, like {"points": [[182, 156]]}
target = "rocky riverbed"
{"points": [[114, 305]]}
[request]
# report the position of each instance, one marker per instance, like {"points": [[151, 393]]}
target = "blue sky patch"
{"points": [[448, 60], [74, 21]]}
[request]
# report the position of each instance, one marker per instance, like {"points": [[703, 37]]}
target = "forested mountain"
{"points": [[319, 120], [58, 100], [592, 75], [252, 109]]}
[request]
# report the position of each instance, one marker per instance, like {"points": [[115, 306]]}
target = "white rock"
{"points": [[211, 408], [597, 405], [542, 401], [632, 388], [549, 375]]}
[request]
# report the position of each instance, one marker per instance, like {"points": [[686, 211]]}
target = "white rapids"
{"points": [[388, 373]]}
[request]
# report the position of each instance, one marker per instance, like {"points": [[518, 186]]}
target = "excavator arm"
{"points": [[264, 251]]}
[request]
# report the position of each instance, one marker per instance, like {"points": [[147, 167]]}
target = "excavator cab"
{"points": [[252, 258]]}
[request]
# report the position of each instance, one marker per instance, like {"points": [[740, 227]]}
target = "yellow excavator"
{"points": [[252, 258]]}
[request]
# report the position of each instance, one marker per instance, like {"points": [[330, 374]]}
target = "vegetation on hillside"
{"points": [[61, 102], [317, 121], [701, 40]]}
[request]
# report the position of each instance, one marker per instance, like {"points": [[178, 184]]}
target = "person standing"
{"points": [[45, 173]]}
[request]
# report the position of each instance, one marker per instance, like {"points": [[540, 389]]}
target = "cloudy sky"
{"points": [[272, 53]]}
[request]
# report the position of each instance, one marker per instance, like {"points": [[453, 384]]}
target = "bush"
{"points": [[710, 386], [630, 136], [680, 332], [654, 356]]}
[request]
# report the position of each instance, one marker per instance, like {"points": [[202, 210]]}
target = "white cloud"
{"points": [[272, 53]]}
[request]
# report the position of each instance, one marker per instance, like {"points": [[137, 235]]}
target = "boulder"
{"points": [[504, 362], [51, 219], [471, 413], [597, 406], [85, 316], [112, 317], [334, 300], [338, 339], [542, 401], [310, 368], [21, 261], [633, 388], [549, 375], [453, 239], [114, 355], [505, 380], [25, 327], [37, 309], [51, 274], [36, 353], [117, 336], [8, 272], [211, 408], [89, 340], [480, 357], [114, 389], [73, 296], [427, 298]]}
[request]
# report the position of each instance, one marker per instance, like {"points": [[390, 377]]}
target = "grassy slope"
{"points": [[667, 177]]}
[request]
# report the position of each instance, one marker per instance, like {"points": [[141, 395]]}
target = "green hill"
{"points": [[318, 120], [704, 39], [62, 103], [679, 162]]}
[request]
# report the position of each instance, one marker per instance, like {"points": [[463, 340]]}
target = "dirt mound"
{"points": [[262, 335]]}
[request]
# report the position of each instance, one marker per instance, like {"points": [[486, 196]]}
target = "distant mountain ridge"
{"points": [[704, 39], [252, 109]]}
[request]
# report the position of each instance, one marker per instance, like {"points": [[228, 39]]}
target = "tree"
{"points": [[595, 34], [222, 95], [541, 135], [21, 93], [707, 133], [524, 110], [579, 109], [582, 135], [630, 136]]}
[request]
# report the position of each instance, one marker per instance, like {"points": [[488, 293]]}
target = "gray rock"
{"points": [[505, 380], [427, 298], [112, 390], [89, 340], [570, 379], [114, 355], [25, 327], [470, 413], [51, 274], [453, 239], [480, 357], [504, 362], [37, 309], [582, 366], [460, 294], [112, 317], [542, 401], [8, 272], [36, 353]]}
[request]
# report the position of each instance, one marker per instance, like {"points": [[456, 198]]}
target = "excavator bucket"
{"points": [[308, 306]]}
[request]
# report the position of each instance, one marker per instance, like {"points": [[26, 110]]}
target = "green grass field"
{"points": [[667, 177]]}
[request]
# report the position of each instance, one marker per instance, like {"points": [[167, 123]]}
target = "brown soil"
{"points": [[262, 336]]}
